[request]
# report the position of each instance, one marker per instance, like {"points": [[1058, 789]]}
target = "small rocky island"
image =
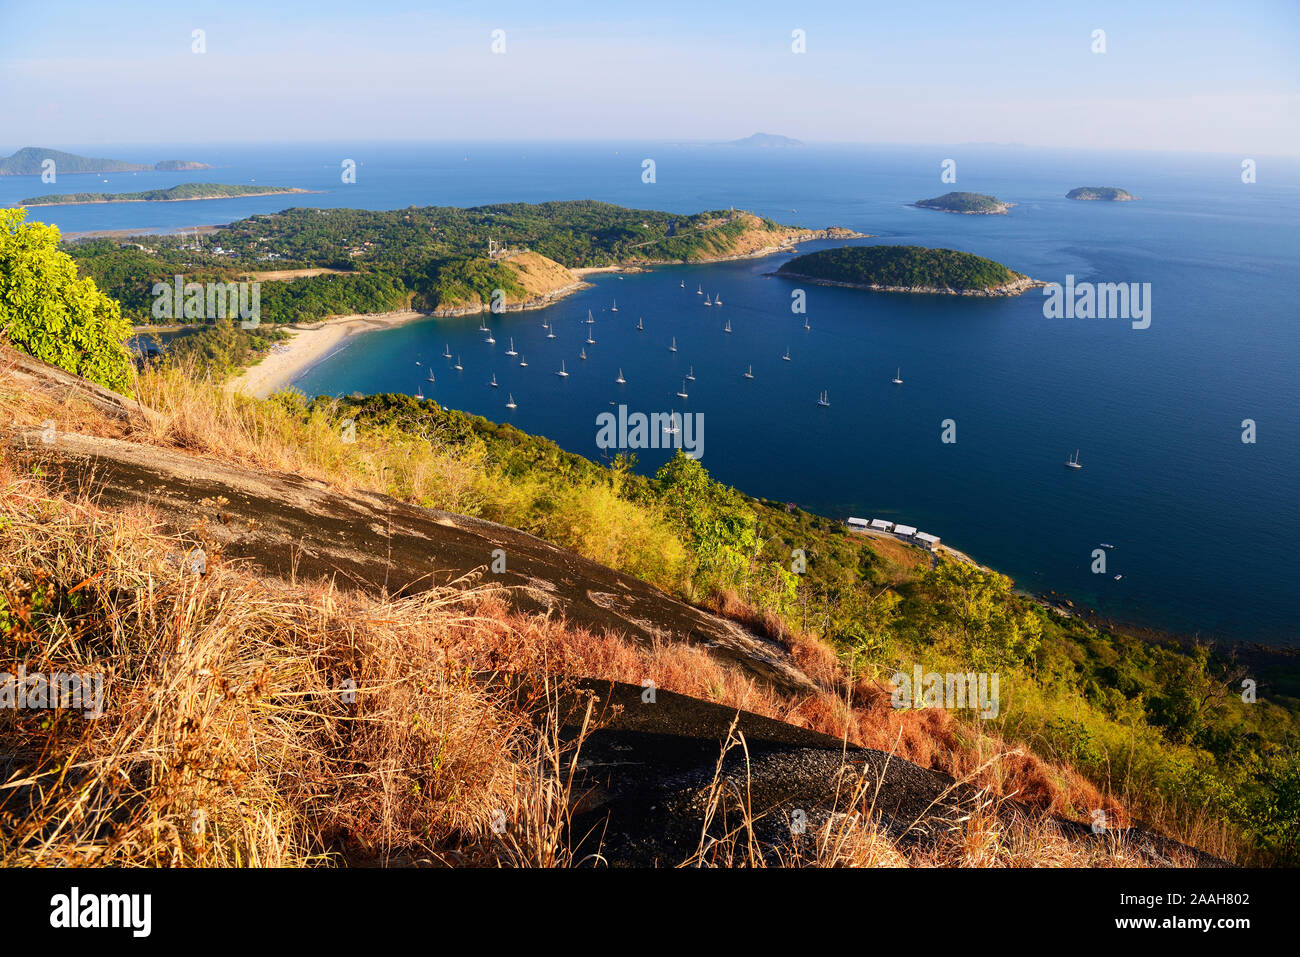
{"points": [[179, 166], [914, 269], [1111, 194], [972, 204]]}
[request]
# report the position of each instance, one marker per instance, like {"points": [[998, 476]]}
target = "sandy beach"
{"points": [[310, 343]]}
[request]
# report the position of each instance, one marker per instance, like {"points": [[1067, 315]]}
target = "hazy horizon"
{"points": [[143, 147], [1202, 79]]}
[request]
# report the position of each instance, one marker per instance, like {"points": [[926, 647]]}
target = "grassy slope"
{"points": [[1156, 730], [251, 735]]}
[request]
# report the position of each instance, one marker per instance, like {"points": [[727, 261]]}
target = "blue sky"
{"points": [[1200, 76]]}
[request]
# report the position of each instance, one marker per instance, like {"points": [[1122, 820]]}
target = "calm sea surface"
{"points": [[1204, 525]]}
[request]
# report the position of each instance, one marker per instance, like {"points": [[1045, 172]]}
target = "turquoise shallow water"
{"points": [[1203, 524]]}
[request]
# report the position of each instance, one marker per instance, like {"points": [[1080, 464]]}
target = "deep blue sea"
{"points": [[1204, 525]]}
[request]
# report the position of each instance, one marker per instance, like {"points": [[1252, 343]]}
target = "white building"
{"points": [[929, 541], [857, 522], [880, 525], [904, 531]]}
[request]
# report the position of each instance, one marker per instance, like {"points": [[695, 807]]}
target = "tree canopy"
{"points": [[51, 313]]}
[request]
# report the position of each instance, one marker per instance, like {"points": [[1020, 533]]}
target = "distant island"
{"points": [[29, 161], [912, 269], [765, 141], [972, 204], [1107, 193], [182, 166], [175, 194]]}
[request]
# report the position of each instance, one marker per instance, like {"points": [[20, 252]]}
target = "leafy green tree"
{"points": [[221, 349], [49, 312], [976, 610], [1274, 811], [718, 528]]}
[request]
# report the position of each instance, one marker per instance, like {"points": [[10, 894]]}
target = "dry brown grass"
{"points": [[232, 734]]}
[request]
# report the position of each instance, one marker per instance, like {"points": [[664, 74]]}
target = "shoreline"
{"points": [[1269, 659], [1001, 211], [133, 231], [187, 199], [310, 344], [1014, 288]]}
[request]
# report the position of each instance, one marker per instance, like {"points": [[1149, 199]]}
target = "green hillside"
{"points": [[27, 161], [964, 203], [905, 266]]}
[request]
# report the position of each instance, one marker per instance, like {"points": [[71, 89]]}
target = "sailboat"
{"points": [[590, 340], [458, 367], [551, 332], [589, 319], [823, 399], [431, 375], [1073, 461], [673, 347], [511, 350], [728, 329], [482, 326], [806, 327], [898, 377], [640, 327], [493, 383], [717, 301], [682, 394], [582, 354], [562, 374], [620, 380], [614, 308], [749, 373], [683, 283], [447, 354], [522, 362], [690, 374], [419, 393], [489, 340], [670, 427], [706, 300], [699, 291], [786, 357], [511, 403]]}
